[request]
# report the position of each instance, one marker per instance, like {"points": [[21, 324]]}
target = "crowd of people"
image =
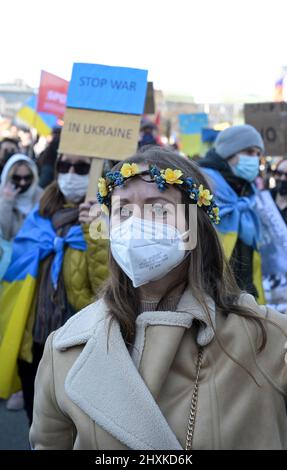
{"points": [[173, 348]]}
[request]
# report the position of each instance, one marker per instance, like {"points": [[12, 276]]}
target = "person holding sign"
{"points": [[173, 355], [232, 167], [56, 269]]}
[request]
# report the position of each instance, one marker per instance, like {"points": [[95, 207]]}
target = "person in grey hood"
{"points": [[232, 166]]}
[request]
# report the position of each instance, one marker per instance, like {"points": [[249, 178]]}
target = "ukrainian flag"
{"points": [[190, 126], [43, 122], [238, 219], [35, 241]]}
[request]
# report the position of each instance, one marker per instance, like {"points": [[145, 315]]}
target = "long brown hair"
{"points": [[210, 274], [51, 201]]}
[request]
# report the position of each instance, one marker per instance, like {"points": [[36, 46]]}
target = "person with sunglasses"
{"points": [[19, 192], [71, 267]]}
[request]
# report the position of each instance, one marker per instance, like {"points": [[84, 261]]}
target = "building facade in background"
{"points": [[13, 96]]}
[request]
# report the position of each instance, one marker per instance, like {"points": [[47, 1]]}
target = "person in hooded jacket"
{"points": [[19, 192], [232, 166]]}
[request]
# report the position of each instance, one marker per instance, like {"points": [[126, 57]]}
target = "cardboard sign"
{"points": [[149, 107], [270, 119], [192, 123], [99, 134], [106, 88], [52, 94]]}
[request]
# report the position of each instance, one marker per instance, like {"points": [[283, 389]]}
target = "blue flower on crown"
{"points": [[161, 183], [189, 182], [158, 178], [115, 178], [154, 171], [101, 199], [193, 193]]}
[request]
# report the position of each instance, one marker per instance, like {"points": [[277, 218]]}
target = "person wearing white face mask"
{"points": [[173, 355], [232, 167], [66, 266]]}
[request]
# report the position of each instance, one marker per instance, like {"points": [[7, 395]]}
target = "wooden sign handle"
{"points": [[95, 174]]}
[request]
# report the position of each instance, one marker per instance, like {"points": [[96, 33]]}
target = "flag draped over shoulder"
{"points": [[237, 214], [35, 241], [238, 219]]}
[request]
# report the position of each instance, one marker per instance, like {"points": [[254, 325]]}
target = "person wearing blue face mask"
{"points": [[232, 166]]}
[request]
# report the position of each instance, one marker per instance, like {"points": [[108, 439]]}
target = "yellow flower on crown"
{"points": [[105, 209], [204, 197], [216, 211], [129, 169], [172, 176], [102, 185]]}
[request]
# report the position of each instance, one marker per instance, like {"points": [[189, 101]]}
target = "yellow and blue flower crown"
{"points": [[162, 178]]}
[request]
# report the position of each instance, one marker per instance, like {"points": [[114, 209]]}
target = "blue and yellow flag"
{"points": [[36, 240], [43, 122], [190, 127]]}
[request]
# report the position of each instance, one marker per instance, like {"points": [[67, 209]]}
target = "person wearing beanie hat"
{"points": [[235, 139], [232, 166]]}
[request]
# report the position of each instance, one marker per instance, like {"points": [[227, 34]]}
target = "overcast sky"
{"points": [[209, 49]]}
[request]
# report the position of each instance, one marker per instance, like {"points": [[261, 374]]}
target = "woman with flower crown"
{"points": [[172, 355]]}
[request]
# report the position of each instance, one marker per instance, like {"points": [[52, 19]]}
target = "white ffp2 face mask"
{"points": [[146, 250], [73, 186]]}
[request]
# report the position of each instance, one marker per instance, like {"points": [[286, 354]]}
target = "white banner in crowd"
{"points": [[273, 246]]}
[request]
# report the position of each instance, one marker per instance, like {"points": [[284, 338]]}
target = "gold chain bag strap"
{"points": [[193, 406]]}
